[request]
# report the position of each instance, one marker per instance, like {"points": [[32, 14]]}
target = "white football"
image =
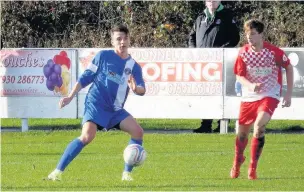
{"points": [[134, 155]]}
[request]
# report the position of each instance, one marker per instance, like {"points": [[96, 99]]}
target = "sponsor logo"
{"points": [[114, 77], [182, 72], [127, 71], [258, 71]]}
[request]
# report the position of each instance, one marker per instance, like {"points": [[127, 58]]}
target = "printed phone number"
{"points": [[190, 89], [32, 79]]}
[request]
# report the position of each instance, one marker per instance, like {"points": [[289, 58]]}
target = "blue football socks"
{"points": [[72, 150]]}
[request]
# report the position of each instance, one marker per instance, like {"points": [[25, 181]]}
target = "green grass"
{"points": [[167, 124], [182, 162]]}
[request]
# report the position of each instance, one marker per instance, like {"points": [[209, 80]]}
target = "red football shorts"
{"points": [[249, 110]]}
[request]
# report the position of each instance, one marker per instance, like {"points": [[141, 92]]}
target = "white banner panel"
{"points": [[179, 82], [35, 72], [176, 107], [33, 80], [173, 107], [36, 107], [295, 112]]}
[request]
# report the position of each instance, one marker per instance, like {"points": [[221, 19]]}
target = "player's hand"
{"points": [[286, 101], [256, 87], [64, 101], [131, 83]]}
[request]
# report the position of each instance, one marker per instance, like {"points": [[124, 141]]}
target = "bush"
{"points": [[76, 24]]}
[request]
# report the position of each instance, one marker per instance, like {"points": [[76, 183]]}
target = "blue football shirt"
{"points": [[109, 76]]}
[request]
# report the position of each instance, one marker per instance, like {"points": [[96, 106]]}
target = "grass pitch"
{"points": [[148, 124], [175, 162]]}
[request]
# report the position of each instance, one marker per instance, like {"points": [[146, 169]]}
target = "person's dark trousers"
{"points": [[206, 126]]}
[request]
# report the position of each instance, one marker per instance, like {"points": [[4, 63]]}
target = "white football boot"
{"points": [[126, 176], [55, 175]]}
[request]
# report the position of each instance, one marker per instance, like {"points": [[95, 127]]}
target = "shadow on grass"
{"points": [[118, 187], [292, 129], [43, 154], [65, 127]]}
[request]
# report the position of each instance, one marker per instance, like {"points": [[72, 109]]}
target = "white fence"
{"points": [[181, 83]]}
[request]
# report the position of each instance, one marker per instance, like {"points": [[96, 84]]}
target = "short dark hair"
{"points": [[120, 28], [254, 24]]}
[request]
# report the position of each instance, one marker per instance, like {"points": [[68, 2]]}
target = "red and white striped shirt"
{"points": [[261, 67]]}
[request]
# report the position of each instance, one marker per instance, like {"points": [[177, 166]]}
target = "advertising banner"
{"points": [[173, 72], [35, 72], [180, 82]]}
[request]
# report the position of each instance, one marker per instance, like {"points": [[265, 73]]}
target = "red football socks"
{"points": [[240, 146], [257, 145]]}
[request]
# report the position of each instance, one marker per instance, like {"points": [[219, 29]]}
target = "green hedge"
{"points": [[77, 24]]}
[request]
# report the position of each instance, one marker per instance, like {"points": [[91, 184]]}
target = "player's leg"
{"points": [[130, 126], [246, 119], [266, 108], [74, 148], [241, 141], [257, 142]]}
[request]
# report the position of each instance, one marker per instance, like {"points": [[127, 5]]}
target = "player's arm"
{"points": [[85, 79], [243, 81], [289, 78], [66, 100], [246, 83], [140, 90], [89, 74], [240, 72], [137, 83], [285, 62], [77, 87]]}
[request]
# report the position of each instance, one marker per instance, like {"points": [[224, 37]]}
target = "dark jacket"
{"points": [[219, 32]]}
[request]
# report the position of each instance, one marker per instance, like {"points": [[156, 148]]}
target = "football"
{"points": [[134, 155]]}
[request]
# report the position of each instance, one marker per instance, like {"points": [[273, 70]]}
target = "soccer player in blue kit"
{"points": [[112, 74]]}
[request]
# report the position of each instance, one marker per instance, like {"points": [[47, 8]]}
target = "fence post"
{"points": [[224, 126], [24, 127]]}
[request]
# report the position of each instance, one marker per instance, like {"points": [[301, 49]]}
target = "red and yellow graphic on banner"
{"points": [[35, 72]]}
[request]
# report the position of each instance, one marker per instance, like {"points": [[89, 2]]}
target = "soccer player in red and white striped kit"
{"points": [[259, 69]]}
